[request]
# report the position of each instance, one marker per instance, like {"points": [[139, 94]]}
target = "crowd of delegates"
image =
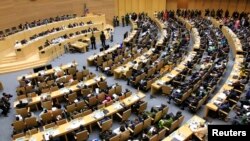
{"points": [[166, 120], [239, 23], [5, 103], [242, 116], [188, 13], [35, 23], [175, 46], [58, 39], [212, 65], [58, 79]]}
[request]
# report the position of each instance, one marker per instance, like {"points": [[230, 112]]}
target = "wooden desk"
{"points": [[91, 59], [80, 46], [162, 27], [47, 72], [88, 120], [60, 92], [232, 38], [220, 97], [185, 132], [156, 86], [132, 34], [124, 68]]}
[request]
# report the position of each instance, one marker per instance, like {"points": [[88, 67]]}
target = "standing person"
{"points": [[117, 21], [93, 43], [103, 39], [127, 19], [123, 21], [111, 36], [114, 21]]}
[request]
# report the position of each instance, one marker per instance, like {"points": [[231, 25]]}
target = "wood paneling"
{"points": [[182, 4], [138, 6], [171, 4], [14, 12], [106, 7]]}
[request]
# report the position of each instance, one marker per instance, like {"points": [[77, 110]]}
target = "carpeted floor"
{"points": [[10, 83]]}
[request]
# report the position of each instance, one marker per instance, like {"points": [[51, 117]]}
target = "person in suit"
{"points": [[127, 19], [123, 21], [103, 39], [93, 41], [21, 104]]}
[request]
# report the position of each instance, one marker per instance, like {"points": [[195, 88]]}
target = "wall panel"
{"points": [[106, 7], [162, 4], [135, 6], [128, 6], [242, 5], [171, 4]]}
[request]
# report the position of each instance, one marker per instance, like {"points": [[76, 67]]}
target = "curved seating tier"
{"points": [[32, 54], [186, 130], [220, 97], [157, 85]]}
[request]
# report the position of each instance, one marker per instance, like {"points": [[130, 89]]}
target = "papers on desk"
{"points": [[57, 69], [106, 68], [98, 114], [221, 96], [170, 75], [42, 72], [64, 90], [50, 131], [178, 137], [80, 84], [117, 105], [193, 125], [76, 123], [97, 79], [135, 96], [44, 95], [159, 82]]}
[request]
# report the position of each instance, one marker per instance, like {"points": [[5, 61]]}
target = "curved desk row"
{"points": [[194, 32], [26, 34], [91, 58], [157, 85], [47, 72], [235, 45], [87, 120], [59, 93], [232, 38], [132, 34], [184, 132], [162, 27], [220, 96], [122, 70], [33, 46]]}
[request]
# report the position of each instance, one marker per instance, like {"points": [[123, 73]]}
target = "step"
{"points": [[23, 66], [8, 60]]}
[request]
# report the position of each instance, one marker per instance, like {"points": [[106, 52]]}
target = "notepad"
{"points": [[118, 105], [64, 90]]}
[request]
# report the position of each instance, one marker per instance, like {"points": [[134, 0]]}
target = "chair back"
{"points": [[126, 114], [125, 135], [138, 128], [82, 136], [31, 122], [107, 125]]}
